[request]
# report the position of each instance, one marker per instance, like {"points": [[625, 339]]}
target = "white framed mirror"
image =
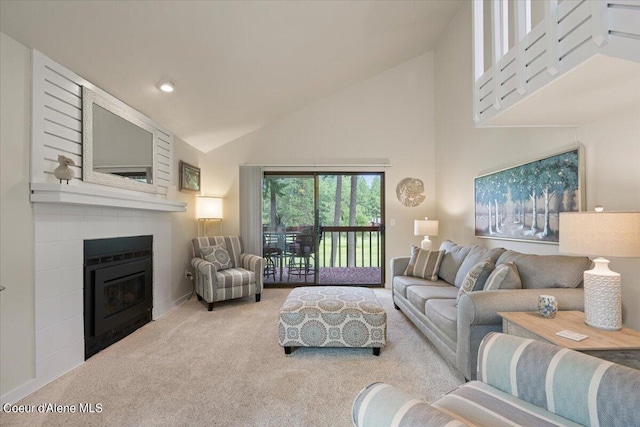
{"points": [[118, 148]]}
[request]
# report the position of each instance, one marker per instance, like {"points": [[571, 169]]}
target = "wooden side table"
{"points": [[622, 347]]}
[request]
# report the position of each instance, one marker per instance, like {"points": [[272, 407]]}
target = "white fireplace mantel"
{"points": [[92, 196]]}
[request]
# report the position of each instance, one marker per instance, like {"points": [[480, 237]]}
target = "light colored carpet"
{"points": [[225, 368]]}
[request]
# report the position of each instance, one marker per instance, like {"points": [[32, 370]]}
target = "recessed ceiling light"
{"points": [[166, 85]]}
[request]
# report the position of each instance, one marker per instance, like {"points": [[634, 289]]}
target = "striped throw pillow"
{"points": [[424, 264], [505, 276]]}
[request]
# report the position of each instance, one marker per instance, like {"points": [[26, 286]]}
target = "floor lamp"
{"points": [[207, 209], [614, 234]]}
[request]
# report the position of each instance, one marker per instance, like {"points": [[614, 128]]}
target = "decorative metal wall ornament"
{"points": [[410, 192]]}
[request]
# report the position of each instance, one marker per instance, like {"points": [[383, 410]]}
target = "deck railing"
{"points": [[350, 247]]}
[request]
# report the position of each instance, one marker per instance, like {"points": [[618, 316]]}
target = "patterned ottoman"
{"points": [[335, 316]]}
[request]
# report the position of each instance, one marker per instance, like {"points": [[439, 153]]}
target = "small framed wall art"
{"points": [[189, 178]]}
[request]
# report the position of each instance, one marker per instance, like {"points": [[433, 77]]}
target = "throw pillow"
{"points": [[424, 264], [505, 276], [452, 260], [206, 250], [218, 256], [476, 277], [477, 254]]}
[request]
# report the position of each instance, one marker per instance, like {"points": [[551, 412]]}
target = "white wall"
{"points": [[387, 116], [613, 181], [17, 318], [18, 374], [612, 152], [184, 226]]}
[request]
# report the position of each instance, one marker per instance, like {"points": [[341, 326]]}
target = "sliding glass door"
{"points": [[350, 219], [323, 228], [289, 228]]}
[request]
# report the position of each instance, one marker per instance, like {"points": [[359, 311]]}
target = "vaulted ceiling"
{"points": [[237, 65]]}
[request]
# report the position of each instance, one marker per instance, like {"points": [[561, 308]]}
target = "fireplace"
{"points": [[117, 289]]}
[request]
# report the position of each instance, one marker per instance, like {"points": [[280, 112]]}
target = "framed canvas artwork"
{"points": [[189, 178], [524, 202]]}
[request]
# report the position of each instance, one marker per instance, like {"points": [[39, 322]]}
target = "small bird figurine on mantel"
{"points": [[64, 172]]}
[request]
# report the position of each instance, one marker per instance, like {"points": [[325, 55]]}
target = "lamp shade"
{"points": [[613, 234], [208, 207], [425, 227]]}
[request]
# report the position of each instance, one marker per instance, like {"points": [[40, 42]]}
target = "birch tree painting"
{"points": [[524, 202]]}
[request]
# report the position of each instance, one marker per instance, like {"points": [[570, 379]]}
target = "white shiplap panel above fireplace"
{"points": [[57, 129]]}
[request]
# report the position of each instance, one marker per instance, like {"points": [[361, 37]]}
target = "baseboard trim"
{"points": [[35, 384], [182, 299], [21, 392], [30, 387]]}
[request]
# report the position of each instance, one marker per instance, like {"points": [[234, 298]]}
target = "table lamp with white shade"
{"points": [[613, 234], [425, 227], [208, 208]]}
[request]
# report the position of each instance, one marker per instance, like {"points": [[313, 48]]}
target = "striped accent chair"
{"points": [[243, 279], [521, 382]]}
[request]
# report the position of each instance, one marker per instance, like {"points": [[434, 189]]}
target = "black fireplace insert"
{"points": [[118, 294]]}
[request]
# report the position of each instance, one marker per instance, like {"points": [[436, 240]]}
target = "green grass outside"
{"points": [[324, 251]]}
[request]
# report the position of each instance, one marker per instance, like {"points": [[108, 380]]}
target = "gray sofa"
{"points": [[456, 328], [520, 382]]}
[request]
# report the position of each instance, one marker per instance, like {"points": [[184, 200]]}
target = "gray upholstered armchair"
{"points": [[239, 276]]}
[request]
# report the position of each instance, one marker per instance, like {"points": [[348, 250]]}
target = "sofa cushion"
{"points": [[476, 277], [424, 264], [381, 404], [418, 295], [402, 283], [476, 254], [452, 260], [577, 386], [477, 403], [443, 313], [504, 276], [218, 256], [233, 277], [547, 271]]}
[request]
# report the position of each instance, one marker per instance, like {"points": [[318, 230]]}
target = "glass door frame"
{"points": [[317, 228]]}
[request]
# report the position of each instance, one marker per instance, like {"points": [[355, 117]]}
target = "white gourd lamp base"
{"points": [[426, 243], [602, 297]]}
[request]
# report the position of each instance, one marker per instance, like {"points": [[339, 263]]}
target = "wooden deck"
{"points": [[331, 276]]}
